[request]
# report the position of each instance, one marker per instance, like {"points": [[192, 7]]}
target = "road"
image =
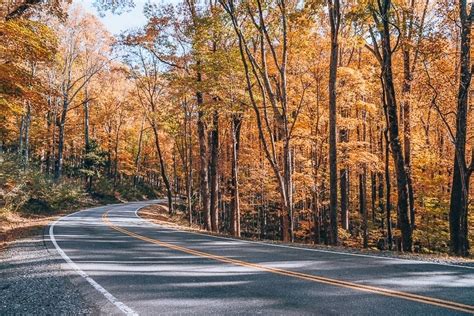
{"points": [[136, 267]]}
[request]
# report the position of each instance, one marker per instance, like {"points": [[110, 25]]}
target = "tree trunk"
{"points": [[187, 162], [388, 203], [380, 193], [26, 148], [344, 185], [390, 104], [373, 196], [54, 121], [86, 121], [47, 159], [203, 174], [235, 202], [116, 147], [139, 152], [164, 176], [213, 172], [334, 18], [87, 146], [20, 138], [287, 215], [458, 212], [62, 122], [279, 129], [344, 176], [317, 218], [411, 25], [363, 206], [406, 110]]}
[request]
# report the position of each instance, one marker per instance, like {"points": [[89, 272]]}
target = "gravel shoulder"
{"points": [[34, 282]]}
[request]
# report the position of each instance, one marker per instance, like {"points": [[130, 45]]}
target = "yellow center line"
{"points": [[309, 277]]}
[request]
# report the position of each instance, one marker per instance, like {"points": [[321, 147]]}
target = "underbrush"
{"points": [[30, 197], [29, 191]]}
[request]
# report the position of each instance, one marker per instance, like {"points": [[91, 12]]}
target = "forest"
{"points": [[336, 122]]}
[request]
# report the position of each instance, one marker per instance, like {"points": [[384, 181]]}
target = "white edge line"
{"points": [[124, 308], [305, 249]]}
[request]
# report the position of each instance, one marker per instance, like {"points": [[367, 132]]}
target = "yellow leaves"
{"points": [[23, 39], [366, 106], [348, 123], [24, 44], [351, 78], [357, 154], [9, 106]]}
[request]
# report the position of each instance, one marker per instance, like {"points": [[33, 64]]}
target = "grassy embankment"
{"points": [[30, 199]]}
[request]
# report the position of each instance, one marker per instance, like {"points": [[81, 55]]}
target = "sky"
{"points": [[118, 23]]}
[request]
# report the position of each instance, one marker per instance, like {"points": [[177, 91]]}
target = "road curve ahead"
{"points": [[137, 267]]}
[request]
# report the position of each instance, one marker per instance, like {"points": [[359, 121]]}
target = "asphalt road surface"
{"points": [[136, 267]]}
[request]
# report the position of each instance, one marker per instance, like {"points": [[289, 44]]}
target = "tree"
{"points": [[21, 8], [151, 89], [334, 21], [232, 109], [79, 64], [412, 29], [381, 14], [272, 91], [458, 212], [24, 46]]}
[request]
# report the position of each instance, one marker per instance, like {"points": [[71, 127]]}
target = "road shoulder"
{"points": [[34, 281]]}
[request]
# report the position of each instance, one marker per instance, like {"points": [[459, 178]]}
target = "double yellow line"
{"points": [[354, 286]]}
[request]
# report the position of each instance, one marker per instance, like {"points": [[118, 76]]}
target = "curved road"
{"points": [[133, 266]]}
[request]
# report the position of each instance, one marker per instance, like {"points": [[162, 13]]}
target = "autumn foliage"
{"points": [[336, 122]]}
